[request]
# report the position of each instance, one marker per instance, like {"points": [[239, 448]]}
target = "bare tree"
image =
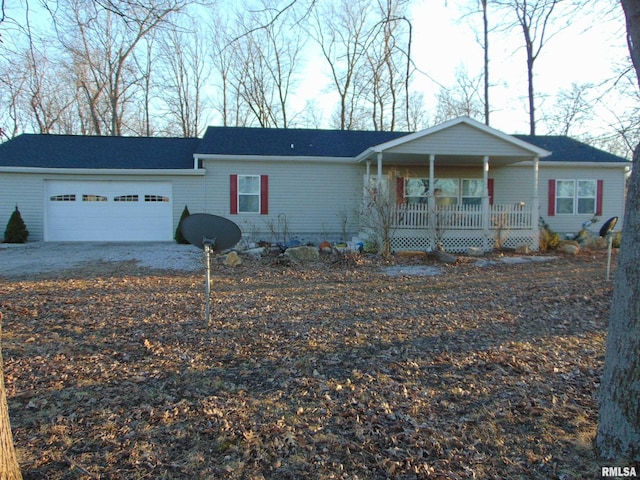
{"points": [[222, 59], [102, 44], [368, 51], [621, 117], [183, 78], [463, 99], [571, 109], [485, 49], [378, 215], [344, 33], [12, 86], [418, 118], [618, 434], [389, 63], [534, 18]]}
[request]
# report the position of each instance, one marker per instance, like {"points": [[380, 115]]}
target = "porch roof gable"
{"points": [[458, 141]]}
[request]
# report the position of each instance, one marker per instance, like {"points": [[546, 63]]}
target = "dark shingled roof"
{"points": [[78, 151], [567, 149], [290, 142]]}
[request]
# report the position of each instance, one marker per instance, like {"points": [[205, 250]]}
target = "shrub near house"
{"points": [[16, 231]]}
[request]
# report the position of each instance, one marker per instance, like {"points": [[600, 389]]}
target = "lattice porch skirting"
{"points": [[460, 241]]}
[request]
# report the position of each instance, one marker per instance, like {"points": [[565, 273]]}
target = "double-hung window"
{"points": [[472, 191], [249, 194], [575, 197]]}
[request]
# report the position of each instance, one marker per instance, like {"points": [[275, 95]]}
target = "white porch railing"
{"points": [[462, 217]]}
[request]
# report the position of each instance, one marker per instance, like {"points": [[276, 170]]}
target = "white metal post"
{"points": [[485, 200]]}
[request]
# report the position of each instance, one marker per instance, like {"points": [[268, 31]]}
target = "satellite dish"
{"points": [[217, 232], [210, 233], [608, 226]]}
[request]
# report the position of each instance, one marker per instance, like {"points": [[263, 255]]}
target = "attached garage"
{"points": [[108, 210]]}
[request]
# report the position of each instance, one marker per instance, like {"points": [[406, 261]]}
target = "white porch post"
{"points": [[535, 206], [379, 171], [486, 213], [431, 201], [366, 190]]}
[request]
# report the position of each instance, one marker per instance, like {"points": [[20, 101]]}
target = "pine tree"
{"points": [[16, 231], [178, 235]]}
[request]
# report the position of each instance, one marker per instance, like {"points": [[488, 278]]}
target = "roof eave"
{"points": [[102, 171], [271, 158], [560, 163]]}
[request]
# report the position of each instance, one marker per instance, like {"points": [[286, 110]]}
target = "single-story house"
{"points": [[460, 183]]}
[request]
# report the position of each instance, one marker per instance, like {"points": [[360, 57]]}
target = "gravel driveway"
{"points": [[23, 260]]}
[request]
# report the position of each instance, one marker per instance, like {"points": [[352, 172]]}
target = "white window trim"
{"points": [[575, 197], [258, 194]]}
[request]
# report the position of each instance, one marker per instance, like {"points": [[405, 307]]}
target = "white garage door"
{"points": [[108, 211]]}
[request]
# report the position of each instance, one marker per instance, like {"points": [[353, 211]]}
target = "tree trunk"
{"points": [[619, 421], [485, 47], [532, 103], [9, 468], [619, 418]]}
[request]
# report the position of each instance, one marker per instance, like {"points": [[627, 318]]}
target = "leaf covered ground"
{"points": [[328, 370]]}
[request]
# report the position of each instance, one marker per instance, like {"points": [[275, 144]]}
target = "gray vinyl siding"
{"points": [[613, 196], [515, 184], [188, 191], [460, 140], [25, 191], [512, 185], [312, 196]]}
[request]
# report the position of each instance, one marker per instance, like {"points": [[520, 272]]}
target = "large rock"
{"points": [[254, 252], [570, 248], [232, 259], [589, 240], [302, 254], [445, 257]]}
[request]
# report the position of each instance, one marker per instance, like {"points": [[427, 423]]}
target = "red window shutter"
{"points": [[233, 194], [264, 194], [552, 198], [599, 197], [490, 190], [399, 190]]}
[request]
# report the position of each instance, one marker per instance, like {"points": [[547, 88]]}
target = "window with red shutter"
{"points": [[249, 194]]}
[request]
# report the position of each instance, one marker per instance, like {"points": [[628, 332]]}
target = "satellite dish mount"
{"points": [[607, 232], [212, 234], [209, 244]]}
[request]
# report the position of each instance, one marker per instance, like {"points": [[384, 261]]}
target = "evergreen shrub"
{"points": [[179, 238], [16, 231]]}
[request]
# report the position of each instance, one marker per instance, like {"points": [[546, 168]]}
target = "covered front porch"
{"points": [[441, 189], [456, 228]]}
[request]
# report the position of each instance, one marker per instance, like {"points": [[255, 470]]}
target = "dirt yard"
{"points": [[334, 370]]}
